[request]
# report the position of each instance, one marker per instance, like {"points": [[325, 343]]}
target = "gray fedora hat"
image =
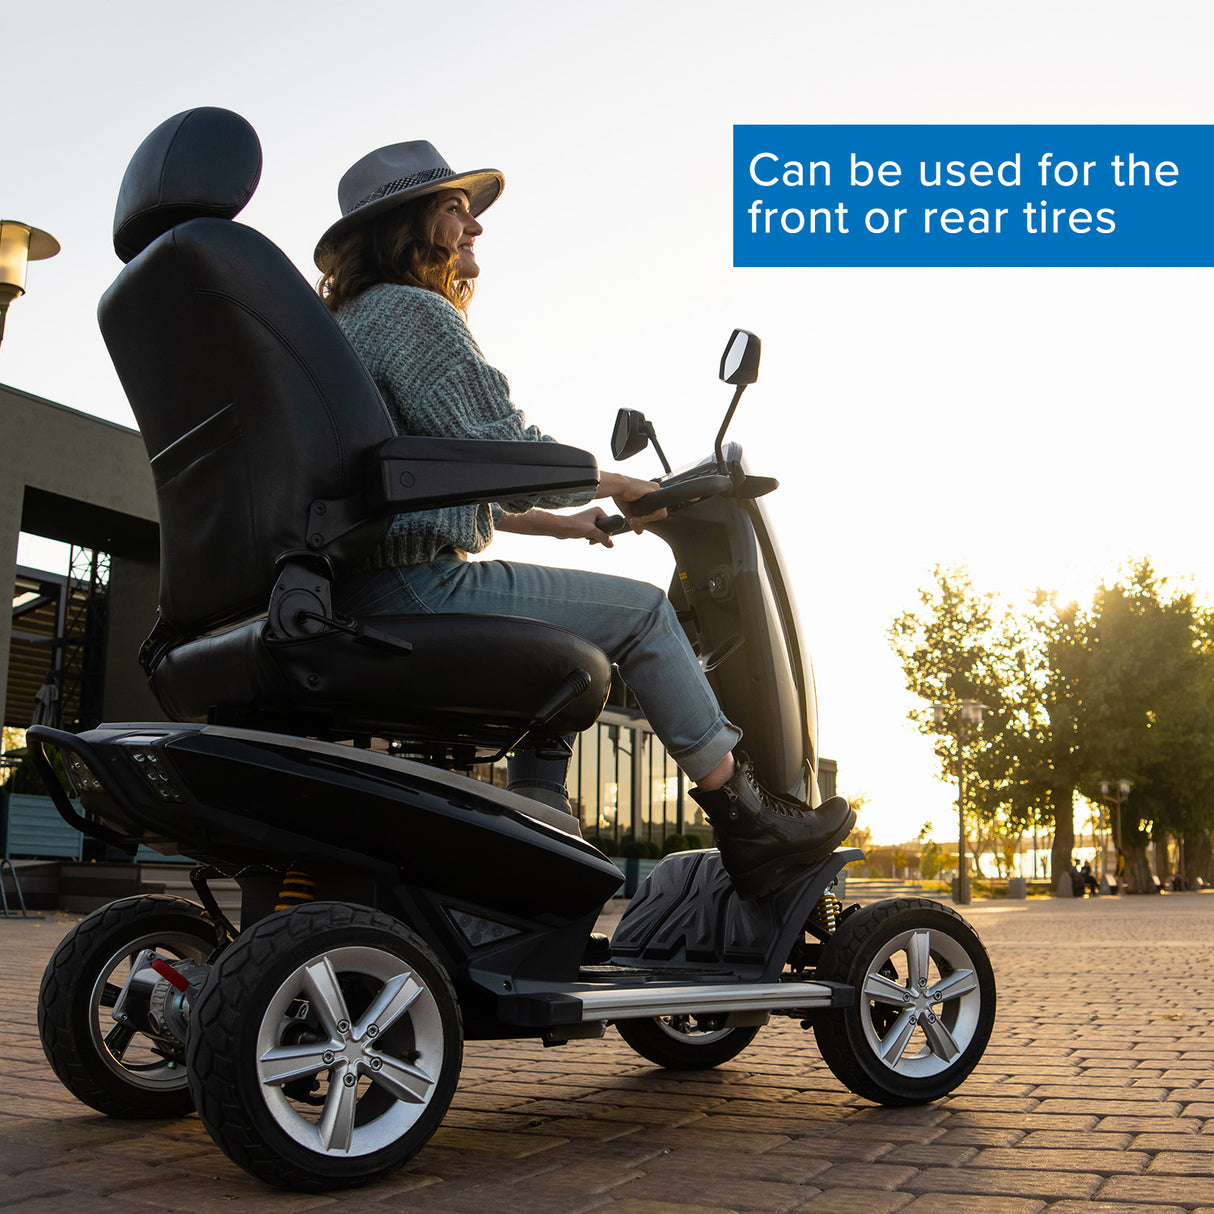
{"points": [[385, 178]]}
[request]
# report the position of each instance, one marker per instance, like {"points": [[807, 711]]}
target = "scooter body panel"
{"points": [[240, 797]]}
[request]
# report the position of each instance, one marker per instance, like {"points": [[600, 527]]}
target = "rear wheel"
{"points": [[112, 1064], [686, 1042], [924, 1001], [325, 1048]]}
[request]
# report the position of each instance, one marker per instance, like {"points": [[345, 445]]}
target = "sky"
{"points": [[1042, 425]]}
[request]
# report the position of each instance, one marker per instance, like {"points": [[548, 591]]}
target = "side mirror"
{"points": [[631, 434], [740, 362]]}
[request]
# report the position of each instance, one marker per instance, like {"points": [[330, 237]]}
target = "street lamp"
{"points": [[19, 244], [969, 720], [1123, 788]]}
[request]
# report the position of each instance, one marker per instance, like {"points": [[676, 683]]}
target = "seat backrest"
{"points": [[250, 400]]}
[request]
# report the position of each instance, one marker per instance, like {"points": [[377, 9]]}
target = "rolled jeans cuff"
{"points": [[700, 760], [554, 795]]}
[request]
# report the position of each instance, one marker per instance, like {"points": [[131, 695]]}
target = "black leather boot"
{"points": [[767, 839]]}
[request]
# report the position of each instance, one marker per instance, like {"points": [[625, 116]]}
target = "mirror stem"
{"points": [[653, 438], [733, 404]]}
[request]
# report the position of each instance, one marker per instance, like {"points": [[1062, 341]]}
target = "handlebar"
{"points": [[683, 493]]}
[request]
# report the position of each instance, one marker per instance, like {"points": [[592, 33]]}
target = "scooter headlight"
{"points": [[83, 778], [147, 761]]}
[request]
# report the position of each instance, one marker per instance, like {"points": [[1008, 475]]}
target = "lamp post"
{"points": [[1123, 789], [969, 719], [19, 244]]}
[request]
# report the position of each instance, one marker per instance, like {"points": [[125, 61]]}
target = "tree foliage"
{"points": [[1123, 689]]}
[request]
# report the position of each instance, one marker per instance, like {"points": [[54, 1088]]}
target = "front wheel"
{"points": [[325, 1048], [686, 1043], [924, 1001]]}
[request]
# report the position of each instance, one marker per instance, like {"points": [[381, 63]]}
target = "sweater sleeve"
{"points": [[438, 381]]}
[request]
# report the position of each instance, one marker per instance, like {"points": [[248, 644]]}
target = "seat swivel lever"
{"points": [[567, 690]]}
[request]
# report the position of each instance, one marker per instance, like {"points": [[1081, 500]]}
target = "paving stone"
{"points": [[1153, 1125], [855, 1201], [722, 1188], [1180, 1190], [1109, 1207], [939, 1153], [17, 1189], [104, 1176], [777, 1165], [494, 1142], [1187, 1163], [1074, 1109], [633, 1206], [833, 1148], [852, 1175], [1063, 1140], [983, 1182], [1172, 1142], [948, 1203]]}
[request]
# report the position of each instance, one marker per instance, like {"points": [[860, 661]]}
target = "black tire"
{"points": [[289, 1016], [898, 1045], [106, 1065], [685, 1043]]}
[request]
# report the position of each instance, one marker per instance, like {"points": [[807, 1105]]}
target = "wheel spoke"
{"points": [[326, 996], [403, 1080], [894, 1043], [336, 1126], [919, 959], [117, 1040], [958, 983], [880, 988], [939, 1038], [394, 999], [284, 1063]]}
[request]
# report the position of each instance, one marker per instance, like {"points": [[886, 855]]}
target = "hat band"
{"points": [[402, 183]]}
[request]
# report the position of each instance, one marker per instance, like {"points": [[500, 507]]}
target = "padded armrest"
{"points": [[411, 473], [423, 473]]}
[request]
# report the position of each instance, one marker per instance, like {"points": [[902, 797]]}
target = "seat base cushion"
{"points": [[469, 678]]}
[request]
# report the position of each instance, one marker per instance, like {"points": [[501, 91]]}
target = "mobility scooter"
{"points": [[392, 905]]}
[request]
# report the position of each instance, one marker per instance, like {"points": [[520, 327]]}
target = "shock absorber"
{"points": [[826, 914], [297, 888]]}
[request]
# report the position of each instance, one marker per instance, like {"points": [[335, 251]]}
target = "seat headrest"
{"points": [[203, 162]]}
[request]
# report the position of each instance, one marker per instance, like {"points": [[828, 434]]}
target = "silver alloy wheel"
{"points": [[687, 1029], [123, 1050], [375, 1065], [921, 1020]]}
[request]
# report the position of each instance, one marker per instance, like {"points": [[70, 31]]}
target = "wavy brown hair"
{"points": [[396, 247]]}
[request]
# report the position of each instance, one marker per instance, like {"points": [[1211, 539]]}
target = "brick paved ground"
{"points": [[1096, 1096]]}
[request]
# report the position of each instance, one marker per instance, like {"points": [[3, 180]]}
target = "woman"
{"points": [[398, 269]]}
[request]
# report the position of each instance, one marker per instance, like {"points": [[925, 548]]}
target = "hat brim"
{"points": [[483, 187]]}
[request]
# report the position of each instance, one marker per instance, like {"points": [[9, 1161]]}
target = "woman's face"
{"points": [[456, 229]]}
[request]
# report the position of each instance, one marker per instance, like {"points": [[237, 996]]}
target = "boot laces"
{"points": [[767, 799]]}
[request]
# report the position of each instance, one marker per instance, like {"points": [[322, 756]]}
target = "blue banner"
{"points": [[973, 195]]}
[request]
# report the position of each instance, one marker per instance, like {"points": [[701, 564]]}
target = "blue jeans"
{"points": [[632, 622]]}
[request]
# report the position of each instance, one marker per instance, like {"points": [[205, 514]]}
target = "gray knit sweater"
{"points": [[436, 382]]}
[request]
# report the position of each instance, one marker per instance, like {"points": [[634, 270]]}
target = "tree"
{"points": [[963, 645], [1148, 715], [1123, 689]]}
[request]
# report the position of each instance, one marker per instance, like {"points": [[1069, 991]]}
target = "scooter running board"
{"points": [[580, 1005]]}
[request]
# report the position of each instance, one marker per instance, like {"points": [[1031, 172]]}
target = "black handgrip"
{"points": [[612, 524], [670, 496]]}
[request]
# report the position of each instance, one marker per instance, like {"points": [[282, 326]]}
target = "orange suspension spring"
{"points": [[826, 913], [297, 887]]}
